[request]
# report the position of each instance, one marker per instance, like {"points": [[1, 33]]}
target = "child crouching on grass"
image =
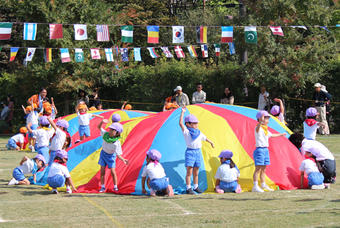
{"points": [[308, 166], [157, 181], [59, 175], [227, 174], [27, 166], [17, 141]]}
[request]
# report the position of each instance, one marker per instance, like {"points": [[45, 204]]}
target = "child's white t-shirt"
{"points": [[317, 149], [18, 138], [226, 174], [58, 169], [153, 171], [308, 166], [310, 131], [27, 166], [111, 148], [261, 138], [43, 136], [58, 140], [32, 118], [84, 119], [193, 144]]}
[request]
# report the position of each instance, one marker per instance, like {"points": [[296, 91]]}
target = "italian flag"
{"points": [[5, 31]]}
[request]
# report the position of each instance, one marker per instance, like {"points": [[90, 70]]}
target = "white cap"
{"points": [[323, 88], [317, 85], [177, 88]]}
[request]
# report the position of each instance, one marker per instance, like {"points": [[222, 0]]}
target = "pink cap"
{"points": [[310, 112], [154, 155], [226, 154], [62, 123], [275, 110], [262, 113], [190, 119], [61, 154], [41, 158], [115, 117], [43, 120], [116, 126]]}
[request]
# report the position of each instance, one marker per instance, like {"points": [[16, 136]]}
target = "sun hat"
{"points": [[61, 154], [190, 119], [23, 130], [317, 85], [154, 155], [177, 88], [128, 107], [116, 126], [43, 120], [41, 158], [275, 110], [226, 154], [115, 117], [310, 112], [262, 113], [62, 123]]}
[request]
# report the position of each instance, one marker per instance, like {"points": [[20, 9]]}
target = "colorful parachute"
{"points": [[229, 127]]}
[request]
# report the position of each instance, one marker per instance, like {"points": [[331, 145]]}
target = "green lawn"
{"points": [[32, 206]]}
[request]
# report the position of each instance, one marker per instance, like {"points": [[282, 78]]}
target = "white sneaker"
{"points": [[317, 187], [115, 189], [256, 188], [13, 181], [69, 191], [327, 186], [55, 191], [267, 188], [102, 189]]}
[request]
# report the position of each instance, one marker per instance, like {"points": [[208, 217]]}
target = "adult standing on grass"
{"points": [[10, 105], [263, 99], [82, 97], [38, 98], [321, 97], [228, 97], [181, 98], [199, 96]]}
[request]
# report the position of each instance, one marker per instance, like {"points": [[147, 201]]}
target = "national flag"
{"points": [[65, 55], [167, 52], [109, 54], [116, 50], [78, 55], [153, 34], [204, 49], [217, 49], [30, 54], [152, 52], [103, 33], [5, 31], [56, 31], [276, 30], [127, 33], [192, 51], [30, 31], [14, 52], [202, 34], [179, 52], [125, 54], [227, 34], [337, 25], [136, 54], [177, 34], [48, 55], [80, 32], [0, 48], [231, 48], [299, 26], [250, 34], [95, 54]]}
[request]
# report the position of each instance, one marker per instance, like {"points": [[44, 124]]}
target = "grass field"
{"points": [[32, 206]]}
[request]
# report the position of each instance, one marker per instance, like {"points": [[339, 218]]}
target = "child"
{"points": [[32, 118], [278, 111], [43, 136], [310, 125], [227, 174], [315, 178], [157, 181], [115, 118], [17, 141], [84, 121], [54, 110], [59, 175], [58, 139], [261, 153], [27, 166], [193, 138], [126, 106], [111, 149]]}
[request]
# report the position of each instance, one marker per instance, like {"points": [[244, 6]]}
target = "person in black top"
{"points": [[228, 97], [321, 98], [94, 99]]}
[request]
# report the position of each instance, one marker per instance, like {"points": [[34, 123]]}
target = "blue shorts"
{"points": [[11, 144], [18, 174], [84, 130], [193, 157], [159, 184], [33, 127], [56, 181], [52, 156], [108, 160], [228, 186], [44, 151], [261, 156], [315, 178]]}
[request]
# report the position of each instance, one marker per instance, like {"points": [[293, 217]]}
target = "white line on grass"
{"points": [[185, 211], [2, 220]]}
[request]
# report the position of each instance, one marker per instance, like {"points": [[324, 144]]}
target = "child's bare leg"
{"points": [[102, 175], [148, 183], [170, 190], [114, 176], [263, 174], [188, 176], [81, 138], [256, 173], [67, 182], [24, 182], [195, 173]]}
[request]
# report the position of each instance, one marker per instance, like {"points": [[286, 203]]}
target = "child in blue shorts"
{"points": [[193, 138], [111, 148], [27, 166], [16, 142], [84, 121], [32, 118], [261, 153], [227, 174], [308, 166], [157, 182]]}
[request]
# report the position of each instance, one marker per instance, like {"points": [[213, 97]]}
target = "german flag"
{"points": [[202, 34]]}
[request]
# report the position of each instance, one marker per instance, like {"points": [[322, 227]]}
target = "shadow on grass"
{"points": [[32, 193], [335, 201], [307, 200], [248, 199], [105, 195]]}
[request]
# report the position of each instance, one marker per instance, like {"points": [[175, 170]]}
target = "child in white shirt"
{"points": [[59, 138], [315, 178], [84, 121], [278, 111], [32, 118], [17, 141], [157, 181], [310, 125]]}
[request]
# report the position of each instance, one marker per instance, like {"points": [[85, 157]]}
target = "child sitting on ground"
{"points": [[157, 182], [17, 141], [310, 125], [227, 174], [308, 166], [84, 120], [111, 148], [33, 119], [27, 166], [59, 175], [59, 138], [278, 111]]}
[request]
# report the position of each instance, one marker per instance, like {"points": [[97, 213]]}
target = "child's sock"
{"points": [[255, 183], [115, 186], [195, 186], [188, 187], [103, 185], [263, 184]]}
